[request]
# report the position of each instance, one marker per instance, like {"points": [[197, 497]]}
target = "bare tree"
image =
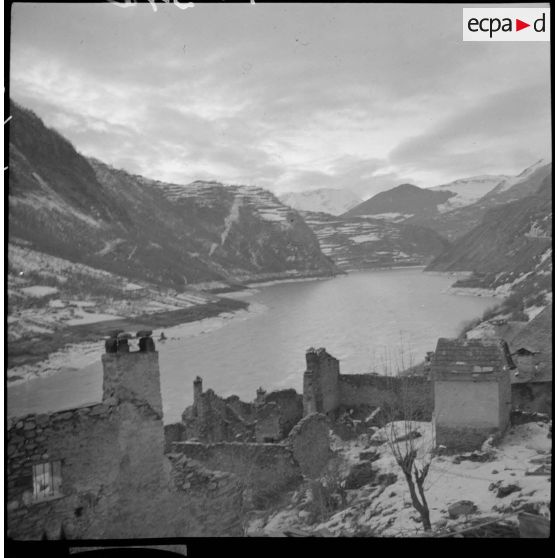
{"points": [[413, 454], [414, 463]]}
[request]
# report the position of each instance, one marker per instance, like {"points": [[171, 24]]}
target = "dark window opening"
{"points": [[47, 479]]}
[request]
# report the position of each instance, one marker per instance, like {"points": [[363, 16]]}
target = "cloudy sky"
{"points": [[284, 96]]}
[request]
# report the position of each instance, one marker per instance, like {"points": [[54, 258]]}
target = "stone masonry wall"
{"points": [[461, 438], [397, 395], [321, 382], [133, 373], [309, 442], [175, 432], [86, 441], [266, 469], [214, 498], [289, 404]]}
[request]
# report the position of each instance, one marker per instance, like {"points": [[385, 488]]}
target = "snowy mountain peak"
{"points": [[322, 200], [468, 190]]}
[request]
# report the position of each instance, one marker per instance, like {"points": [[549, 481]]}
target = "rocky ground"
{"points": [[364, 492]]}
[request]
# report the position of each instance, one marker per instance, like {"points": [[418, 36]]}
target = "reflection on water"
{"points": [[365, 319]]}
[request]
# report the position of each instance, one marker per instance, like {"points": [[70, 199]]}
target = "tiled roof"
{"points": [[470, 356]]}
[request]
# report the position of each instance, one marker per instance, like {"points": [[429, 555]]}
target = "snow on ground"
{"points": [[395, 217], [387, 511], [326, 200], [82, 318], [71, 307], [370, 237], [80, 355], [533, 311], [468, 190]]}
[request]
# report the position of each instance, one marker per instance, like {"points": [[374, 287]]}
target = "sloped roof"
{"points": [[471, 356]]}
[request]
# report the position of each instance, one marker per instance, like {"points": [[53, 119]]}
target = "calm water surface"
{"points": [[365, 319]]}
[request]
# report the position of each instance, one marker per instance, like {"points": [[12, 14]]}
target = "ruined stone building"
{"points": [[328, 391], [112, 470], [211, 418], [472, 391], [99, 471]]}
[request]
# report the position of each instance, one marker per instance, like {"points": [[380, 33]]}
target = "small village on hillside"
{"points": [[368, 454], [278, 274]]}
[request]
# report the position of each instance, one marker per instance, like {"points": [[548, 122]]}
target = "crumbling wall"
{"points": [[100, 455], [399, 396], [321, 382], [266, 469], [268, 423], [210, 502], [532, 397], [215, 419], [175, 432], [309, 442], [289, 406]]}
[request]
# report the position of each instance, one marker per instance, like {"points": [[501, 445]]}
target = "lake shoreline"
{"points": [[39, 348], [44, 354]]}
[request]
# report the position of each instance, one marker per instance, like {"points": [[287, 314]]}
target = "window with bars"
{"points": [[47, 479]]}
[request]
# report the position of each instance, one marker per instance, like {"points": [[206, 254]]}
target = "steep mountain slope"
{"points": [[512, 246], [517, 187], [468, 190], [401, 203], [360, 243], [323, 200], [82, 210], [454, 224]]}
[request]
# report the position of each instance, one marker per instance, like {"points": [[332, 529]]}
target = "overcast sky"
{"points": [[287, 97]]}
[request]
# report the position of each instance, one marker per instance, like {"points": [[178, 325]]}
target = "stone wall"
{"points": [[115, 479], [103, 450], [309, 442], [265, 469], [133, 373], [321, 382], [398, 396], [289, 405], [470, 408], [215, 419], [268, 423], [533, 397], [214, 497], [175, 432], [326, 390], [463, 438], [469, 404]]}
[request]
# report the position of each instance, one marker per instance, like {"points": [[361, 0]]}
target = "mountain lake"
{"points": [[377, 320]]}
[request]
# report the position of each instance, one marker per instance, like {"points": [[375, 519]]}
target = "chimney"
{"points": [[129, 375]]}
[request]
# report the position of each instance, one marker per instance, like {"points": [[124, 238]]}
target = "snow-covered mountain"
{"points": [[517, 187], [469, 190], [322, 200], [362, 243], [401, 203], [85, 211]]}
